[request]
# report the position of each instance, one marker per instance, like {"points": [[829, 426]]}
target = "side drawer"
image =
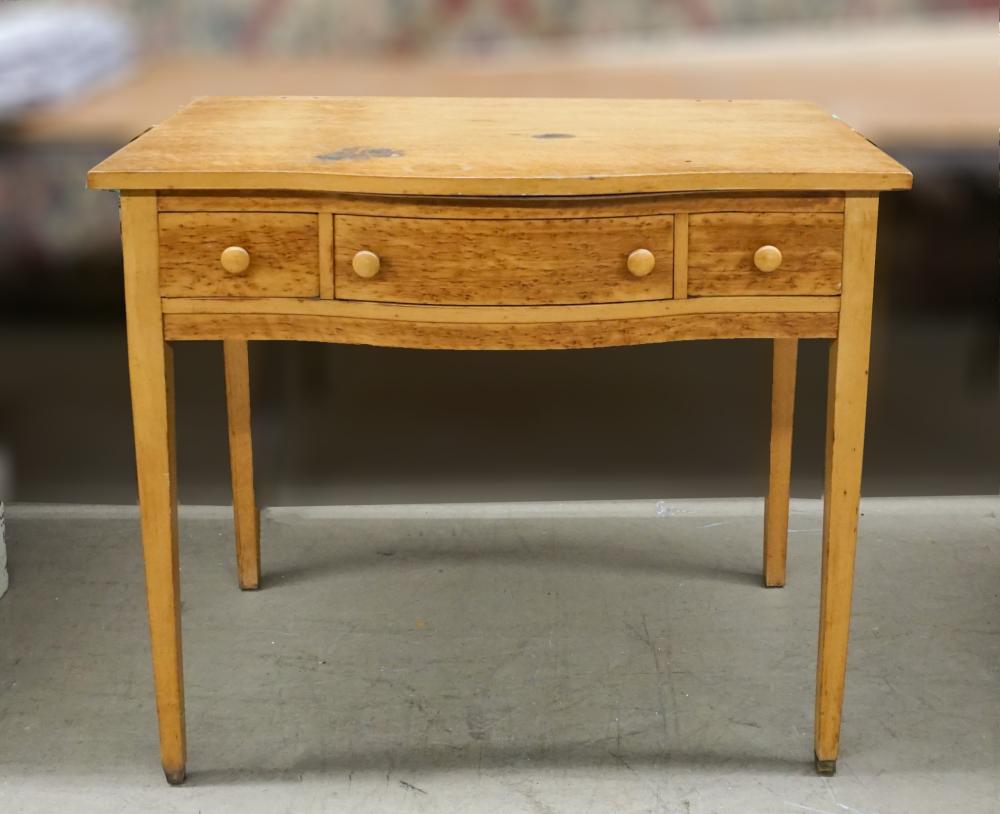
{"points": [[281, 254], [557, 261], [722, 247]]}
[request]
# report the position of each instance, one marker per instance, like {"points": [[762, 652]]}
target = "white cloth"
{"points": [[49, 52]]}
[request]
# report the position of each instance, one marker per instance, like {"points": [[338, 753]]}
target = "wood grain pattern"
{"points": [[151, 378], [846, 405], [283, 248], [237, 367], [498, 336], [721, 247], [504, 313], [785, 356], [485, 262], [492, 208], [682, 223], [326, 256], [426, 146]]}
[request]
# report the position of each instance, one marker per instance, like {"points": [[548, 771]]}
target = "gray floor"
{"points": [[580, 658]]}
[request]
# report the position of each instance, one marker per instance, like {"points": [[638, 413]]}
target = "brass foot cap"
{"points": [[826, 768], [175, 777]]}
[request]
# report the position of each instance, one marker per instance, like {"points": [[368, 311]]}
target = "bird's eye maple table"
{"points": [[497, 224]]}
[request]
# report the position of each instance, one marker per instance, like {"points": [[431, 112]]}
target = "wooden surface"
{"points": [[503, 262], [325, 255], [503, 313], [784, 359], [437, 146], [151, 378], [486, 208], [845, 432], [283, 249], [499, 335], [237, 367], [682, 234], [641, 262], [721, 251]]}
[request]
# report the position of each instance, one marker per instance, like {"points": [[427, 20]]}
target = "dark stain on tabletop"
{"points": [[360, 154], [553, 135]]}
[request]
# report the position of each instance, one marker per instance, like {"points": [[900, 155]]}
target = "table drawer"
{"points": [[734, 253], [440, 261], [267, 254]]}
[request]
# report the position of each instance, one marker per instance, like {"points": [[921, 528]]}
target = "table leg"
{"points": [[151, 378], [241, 463], [785, 355], [846, 404]]}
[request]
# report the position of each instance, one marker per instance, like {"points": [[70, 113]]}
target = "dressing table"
{"points": [[478, 224]]}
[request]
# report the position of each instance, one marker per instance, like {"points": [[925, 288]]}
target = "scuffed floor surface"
{"points": [[505, 659]]}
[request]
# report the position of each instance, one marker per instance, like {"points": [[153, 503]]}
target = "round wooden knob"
{"points": [[641, 262], [366, 264], [235, 260], [767, 258]]}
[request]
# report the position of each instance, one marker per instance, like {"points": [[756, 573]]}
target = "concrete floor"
{"points": [[615, 657]]}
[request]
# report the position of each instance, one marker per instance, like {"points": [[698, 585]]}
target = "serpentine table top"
{"points": [[448, 146]]}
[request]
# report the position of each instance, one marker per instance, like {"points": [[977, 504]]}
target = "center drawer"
{"points": [[550, 261]]}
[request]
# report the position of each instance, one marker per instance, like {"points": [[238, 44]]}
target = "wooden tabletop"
{"points": [[491, 146]]}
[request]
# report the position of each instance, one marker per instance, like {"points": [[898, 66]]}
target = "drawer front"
{"points": [[503, 262], [722, 248], [279, 258]]}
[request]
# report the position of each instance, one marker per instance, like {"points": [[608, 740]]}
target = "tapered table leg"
{"points": [[846, 404], [151, 377], [241, 463], [785, 356]]}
